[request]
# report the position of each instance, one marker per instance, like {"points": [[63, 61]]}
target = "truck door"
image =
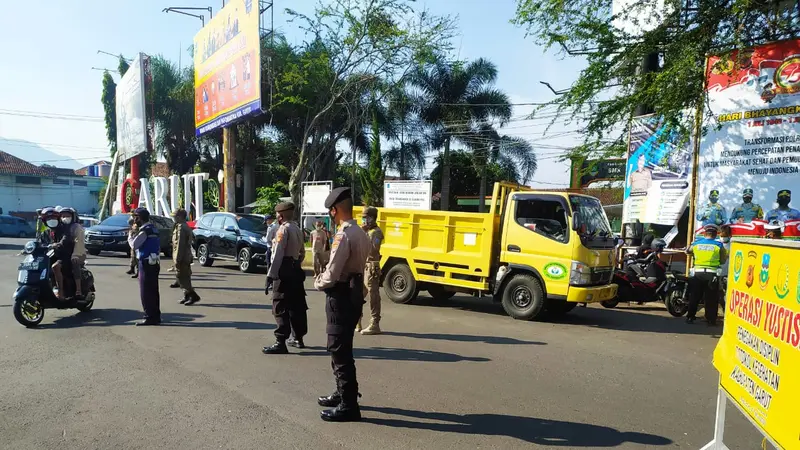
{"points": [[536, 235]]}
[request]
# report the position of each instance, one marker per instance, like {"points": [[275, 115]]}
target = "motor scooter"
{"points": [[35, 293], [647, 280]]}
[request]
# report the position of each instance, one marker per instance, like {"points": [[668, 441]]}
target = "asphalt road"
{"points": [[459, 374]]}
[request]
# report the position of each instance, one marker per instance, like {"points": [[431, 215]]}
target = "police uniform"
{"points": [[709, 255], [748, 210], [286, 276], [182, 257], [783, 213], [343, 283], [147, 246], [372, 272], [712, 212]]}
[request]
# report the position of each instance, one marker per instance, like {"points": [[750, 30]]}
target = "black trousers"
{"points": [[290, 317], [342, 314], [148, 290], [704, 286]]}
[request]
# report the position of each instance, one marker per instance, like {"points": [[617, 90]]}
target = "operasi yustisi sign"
{"points": [[227, 64], [758, 356]]}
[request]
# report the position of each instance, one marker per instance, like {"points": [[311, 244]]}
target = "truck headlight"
{"points": [[580, 274]]}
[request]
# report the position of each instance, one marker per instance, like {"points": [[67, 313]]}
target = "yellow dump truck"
{"points": [[534, 251]]}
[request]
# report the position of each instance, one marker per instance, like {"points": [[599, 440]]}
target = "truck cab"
{"points": [[535, 252]]}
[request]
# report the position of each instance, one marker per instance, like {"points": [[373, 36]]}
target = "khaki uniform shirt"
{"points": [[318, 239], [349, 252], [376, 239], [182, 238], [289, 243]]}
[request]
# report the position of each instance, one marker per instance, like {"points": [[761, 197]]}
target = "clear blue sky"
{"points": [[49, 49]]}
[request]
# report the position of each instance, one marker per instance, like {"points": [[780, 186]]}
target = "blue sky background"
{"points": [[49, 49]]}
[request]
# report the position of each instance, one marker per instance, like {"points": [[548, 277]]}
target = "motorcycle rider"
{"points": [[75, 231], [64, 244], [709, 254]]}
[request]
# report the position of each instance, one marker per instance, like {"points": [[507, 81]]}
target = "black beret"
{"points": [[284, 206], [337, 195]]}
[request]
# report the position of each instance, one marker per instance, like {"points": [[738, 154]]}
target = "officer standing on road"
{"points": [[182, 257], [134, 265], [343, 283], [286, 277], [372, 270], [147, 247], [747, 211], [709, 255], [713, 212]]}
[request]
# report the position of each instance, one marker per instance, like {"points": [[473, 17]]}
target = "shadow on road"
{"points": [[109, 317], [403, 354], [497, 340], [629, 320], [474, 304], [231, 288], [551, 433], [236, 305], [18, 247]]}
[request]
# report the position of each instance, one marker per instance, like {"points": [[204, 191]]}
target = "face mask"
{"points": [[747, 199], [783, 203], [713, 200], [725, 240], [52, 223], [66, 220]]}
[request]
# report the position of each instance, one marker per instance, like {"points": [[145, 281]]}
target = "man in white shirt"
{"points": [[272, 229]]}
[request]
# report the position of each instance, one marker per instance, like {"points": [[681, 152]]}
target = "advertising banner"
{"points": [[754, 143], [227, 67], [597, 170], [658, 173], [314, 195], [130, 108], [407, 194], [758, 355]]}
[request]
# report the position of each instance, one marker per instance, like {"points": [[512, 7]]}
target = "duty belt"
{"points": [[706, 269]]}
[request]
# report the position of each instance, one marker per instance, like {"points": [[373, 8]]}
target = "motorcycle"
{"points": [[35, 291], [648, 280]]}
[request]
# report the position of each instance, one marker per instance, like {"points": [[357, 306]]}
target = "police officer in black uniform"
{"points": [[343, 283], [147, 247], [286, 276]]}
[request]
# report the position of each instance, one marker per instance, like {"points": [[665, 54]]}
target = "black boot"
{"points": [[131, 271], [332, 400], [193, 298], [135, 275], [295, 342], [186, 299], [175, 285], [342, 413], [278, 348], [690, 320]]}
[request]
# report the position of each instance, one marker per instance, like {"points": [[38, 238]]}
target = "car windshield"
{"points": [[117, 220], [254, 224], [591, 214]]}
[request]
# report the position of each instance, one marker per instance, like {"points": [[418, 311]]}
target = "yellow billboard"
{"points": [[758, 356], [227, 67]]}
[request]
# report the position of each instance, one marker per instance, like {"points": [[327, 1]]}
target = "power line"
{"points": [[50, 116]]}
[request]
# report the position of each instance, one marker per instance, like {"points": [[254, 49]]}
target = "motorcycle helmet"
{"points": [[659, 245], [72, 215], [51, 217]]}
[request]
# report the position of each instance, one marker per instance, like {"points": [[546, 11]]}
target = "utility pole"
{"points": [[229, 167]]}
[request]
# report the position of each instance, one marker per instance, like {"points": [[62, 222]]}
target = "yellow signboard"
{"points": [[227, 67], [758, 356]]}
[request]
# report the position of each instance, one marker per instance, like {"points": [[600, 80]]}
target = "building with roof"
{"points": [[25, 187], [100, 168]]}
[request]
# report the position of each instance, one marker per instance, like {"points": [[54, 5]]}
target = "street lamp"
{"points": [[183, 9]]}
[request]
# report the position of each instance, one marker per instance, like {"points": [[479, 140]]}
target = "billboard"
{"points": [[130, 109], [227, 67], [595, 170], [314, 195], [758, 355], [657, 175], [754, 143], [407, 194]]}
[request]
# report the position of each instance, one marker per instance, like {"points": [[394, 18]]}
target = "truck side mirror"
{"points": [[575, 221]]}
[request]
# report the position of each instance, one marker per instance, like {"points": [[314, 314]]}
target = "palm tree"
{"points": [[173, 106], [407, 157], [489, 147], [454, 99]]}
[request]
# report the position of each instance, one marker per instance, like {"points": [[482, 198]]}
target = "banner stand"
{"points": [[719, 422]]}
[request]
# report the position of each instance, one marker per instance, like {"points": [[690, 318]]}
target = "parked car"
{"points": [[88, 221], [111, 235], [14, 226], [231, 237]]}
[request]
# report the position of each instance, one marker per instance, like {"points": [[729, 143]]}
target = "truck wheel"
{"points": [[439, 293], [559, 308], [610, 303], [523, 297], [400, 285]]}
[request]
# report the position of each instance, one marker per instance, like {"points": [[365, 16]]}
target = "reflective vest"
{"points": [[152, 245], [707, 253]]}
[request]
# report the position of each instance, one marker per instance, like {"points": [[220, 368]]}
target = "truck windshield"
{"points": [[591, 215]]}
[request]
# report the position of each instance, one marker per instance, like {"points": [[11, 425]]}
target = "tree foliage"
{"points": [[463, 174], [612, 86], [372, 175]]}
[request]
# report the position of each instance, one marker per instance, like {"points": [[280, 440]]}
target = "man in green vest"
{"points": [[709, 255]]}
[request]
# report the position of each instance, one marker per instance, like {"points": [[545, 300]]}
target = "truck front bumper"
{"points": [[591, 294]]}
